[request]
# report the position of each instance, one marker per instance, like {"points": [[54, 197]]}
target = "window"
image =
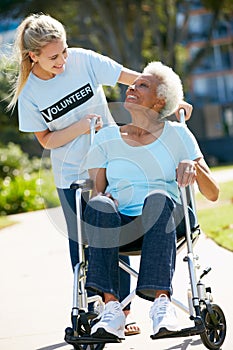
{"points": [[229, 87], [207, 63], [218, 59], [199, 26], [217, 89], [206, 90]]}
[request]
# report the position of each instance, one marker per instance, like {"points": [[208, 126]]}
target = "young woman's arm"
{"points": [[188, 110], [53, 139], [127, 76]]}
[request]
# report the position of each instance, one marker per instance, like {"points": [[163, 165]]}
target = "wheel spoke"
{"points": [[215, 334]]}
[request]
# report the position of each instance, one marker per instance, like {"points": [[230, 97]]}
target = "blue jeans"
{"points": [[108, 232], [67, 199]]}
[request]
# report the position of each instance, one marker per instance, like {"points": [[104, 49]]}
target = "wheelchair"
{"points": [[208, 317]]}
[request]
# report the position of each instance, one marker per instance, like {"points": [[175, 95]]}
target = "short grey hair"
{"points": [[169, 86]]}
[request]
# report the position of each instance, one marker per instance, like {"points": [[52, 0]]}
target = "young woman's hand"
{"points": [[98, 122], [188, 110]]}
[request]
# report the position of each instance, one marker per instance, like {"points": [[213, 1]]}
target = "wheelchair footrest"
{"points": [[88, 340], [185, 332]]}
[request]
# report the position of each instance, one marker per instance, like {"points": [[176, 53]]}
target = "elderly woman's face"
{"points": [[142, 92]]}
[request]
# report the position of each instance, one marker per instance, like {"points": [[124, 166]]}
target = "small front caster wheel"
{"points": [[215, 334], [69, 331]]}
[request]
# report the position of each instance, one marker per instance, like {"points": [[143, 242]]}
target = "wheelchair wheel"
{"points": [[214, 335], [82, 324]]}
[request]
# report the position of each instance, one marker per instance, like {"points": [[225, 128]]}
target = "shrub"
{"points": [[25, 186]]}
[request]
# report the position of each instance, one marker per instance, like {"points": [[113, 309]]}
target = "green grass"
{"points": [[5, 222], [221, 167], [216, 219], [218, 225]]}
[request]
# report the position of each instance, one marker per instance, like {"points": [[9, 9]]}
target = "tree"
{"points": [[9, 122], [132, 32]]}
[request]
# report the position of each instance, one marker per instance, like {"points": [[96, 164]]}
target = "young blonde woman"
{"points": [[59, 90]]}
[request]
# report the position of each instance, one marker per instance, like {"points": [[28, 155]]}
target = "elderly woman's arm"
{"points": [[206, 183], [98, 176], [189, 171]]}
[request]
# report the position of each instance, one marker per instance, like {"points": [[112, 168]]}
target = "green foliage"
{"points": [[25, 186], [9, 121], [20, 194], [13, 162], [226, 6]]}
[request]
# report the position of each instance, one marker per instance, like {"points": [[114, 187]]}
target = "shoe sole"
{"points": [[164, 330], [103, 334]]}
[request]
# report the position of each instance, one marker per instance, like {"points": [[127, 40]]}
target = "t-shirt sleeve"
{"points": [[30, 119], [105, 70]]}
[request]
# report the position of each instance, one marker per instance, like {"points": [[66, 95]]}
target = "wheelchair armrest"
{"points": [[85, 185]]}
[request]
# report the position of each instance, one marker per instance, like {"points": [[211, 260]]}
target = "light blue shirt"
{"points": [[133, 172], [59, 102]]}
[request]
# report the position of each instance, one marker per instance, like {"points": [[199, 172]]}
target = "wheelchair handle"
{"points": [[86, 184], [92, 129], [182, 115]]}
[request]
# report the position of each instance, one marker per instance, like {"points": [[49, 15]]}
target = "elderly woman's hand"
{"points": [[108, 194], [186, 173], [188, 110]]}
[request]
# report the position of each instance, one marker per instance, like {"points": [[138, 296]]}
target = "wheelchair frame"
{"points": [[209, 319]]}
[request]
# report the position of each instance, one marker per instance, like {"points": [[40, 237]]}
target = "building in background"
{"points": [[211, 84]]}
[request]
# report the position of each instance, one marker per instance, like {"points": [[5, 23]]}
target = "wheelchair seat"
{"points": [[134, 248]]}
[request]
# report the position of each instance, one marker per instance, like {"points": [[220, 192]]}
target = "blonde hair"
{"points": [[169, 86], [36, 31]]}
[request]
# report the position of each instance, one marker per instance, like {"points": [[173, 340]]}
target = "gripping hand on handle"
{"points": [[94, 121]]}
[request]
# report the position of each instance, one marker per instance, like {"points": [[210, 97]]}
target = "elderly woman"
{"points": [[137, 170]]}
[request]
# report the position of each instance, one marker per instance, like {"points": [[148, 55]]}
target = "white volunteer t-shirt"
{"points": [[59, 102]]}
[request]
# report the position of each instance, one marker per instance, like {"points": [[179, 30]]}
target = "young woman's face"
{"points": [[51, 60]]}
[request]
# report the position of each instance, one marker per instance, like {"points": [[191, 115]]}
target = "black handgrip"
{"points": [[85, 185]]}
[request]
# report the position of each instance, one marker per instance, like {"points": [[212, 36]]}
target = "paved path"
{"points": [[36, 288], [224, 175]]}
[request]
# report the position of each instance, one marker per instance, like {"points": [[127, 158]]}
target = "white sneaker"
{"points": [[163, 314], [111, 322]]}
